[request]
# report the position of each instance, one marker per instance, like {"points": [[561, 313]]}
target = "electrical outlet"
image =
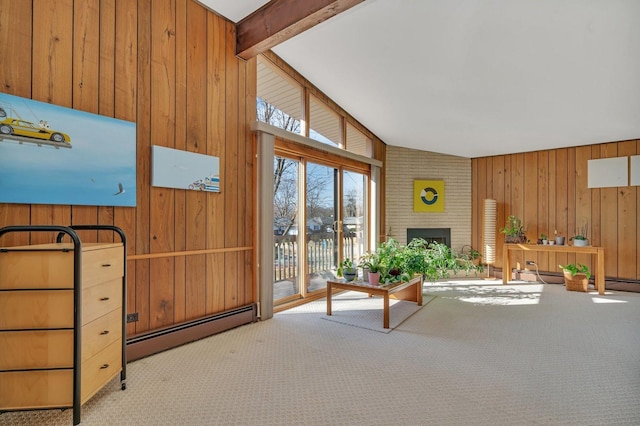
{"points": [[530, 262], [132, 317]]}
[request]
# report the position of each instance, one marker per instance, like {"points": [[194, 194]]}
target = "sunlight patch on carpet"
{"points": [[488, 294], [358, 310]]}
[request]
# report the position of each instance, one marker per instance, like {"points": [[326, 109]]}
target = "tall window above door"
{"points": [[324, 124], [280, 99]]}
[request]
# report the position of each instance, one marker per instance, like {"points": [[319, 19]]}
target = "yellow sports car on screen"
{"points": [[13, 126]]}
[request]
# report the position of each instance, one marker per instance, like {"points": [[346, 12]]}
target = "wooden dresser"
{"points": [[62, 322]]}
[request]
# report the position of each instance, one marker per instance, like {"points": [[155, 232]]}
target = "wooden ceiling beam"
{"points": [[279, 20]]}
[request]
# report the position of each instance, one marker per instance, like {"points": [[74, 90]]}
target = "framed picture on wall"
{"points": [[55, 155], [174, 168], [428, 195]]}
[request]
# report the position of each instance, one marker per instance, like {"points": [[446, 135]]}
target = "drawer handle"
{"points": [[104, 366], [106, 265], [104, 299], [104, 332]]}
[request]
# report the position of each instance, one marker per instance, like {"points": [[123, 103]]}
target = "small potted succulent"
{"points": [[580, 239], [347, 269]]}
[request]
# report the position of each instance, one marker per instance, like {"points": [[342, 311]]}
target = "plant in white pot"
{"points": [[580, 239]]}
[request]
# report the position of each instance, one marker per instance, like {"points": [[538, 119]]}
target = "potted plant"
{"points": [[347, 270], [514, 231], [543, 238], [372, 263], [390, 254], [580, 239], [576, 276], [559, 238]]}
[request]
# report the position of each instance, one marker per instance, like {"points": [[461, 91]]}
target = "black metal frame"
{"points": [[77, 298]]}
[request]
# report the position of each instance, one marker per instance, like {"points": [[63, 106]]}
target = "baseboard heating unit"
{"points": [[143, 345]]}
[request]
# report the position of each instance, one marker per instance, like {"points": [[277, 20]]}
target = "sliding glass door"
{"points": [[354, 214], [323, 230], [320, 217], [286, 282]]}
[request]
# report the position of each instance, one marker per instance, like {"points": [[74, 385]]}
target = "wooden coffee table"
{"points": [[410, 291]]}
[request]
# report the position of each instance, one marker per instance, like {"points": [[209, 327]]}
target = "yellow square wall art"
{"points": [[428, 196]]}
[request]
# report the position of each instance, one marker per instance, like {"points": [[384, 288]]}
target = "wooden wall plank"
{"points": [[251, 89], [243, 137], [163, 92], [216, 131], [106, 97], [182, 82], [518, 189], [596, 218], [561, 201], [583, 196], [52, 82], [530, 200], [552, 213], [143, 137], [86, 47], [15, 79], [231, 170], [196, 142], [609, 215], [571, 198], [542, 193], [86, 52], [53, 38], [125, 93], [627, 221]]}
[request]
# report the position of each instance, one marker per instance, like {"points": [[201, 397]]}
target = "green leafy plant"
{"points": [[576, 269], [345, 265], [514, 230], [432, 260], [543, 236], [581, 233], [513, 227], [371, 261]]}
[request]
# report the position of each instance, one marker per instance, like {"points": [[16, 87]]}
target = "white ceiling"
{"points": [[476, 77]]}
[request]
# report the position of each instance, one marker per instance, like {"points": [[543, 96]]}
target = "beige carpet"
{"points": [[357, 309], [479, 354]]}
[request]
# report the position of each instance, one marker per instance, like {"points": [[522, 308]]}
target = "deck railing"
{"points": [[321, 255]]}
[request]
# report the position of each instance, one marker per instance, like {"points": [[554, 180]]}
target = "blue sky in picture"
{"points": [[102, 156]]}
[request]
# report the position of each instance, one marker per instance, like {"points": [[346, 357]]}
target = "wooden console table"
{"points": [[597, 251], [400, 291]]}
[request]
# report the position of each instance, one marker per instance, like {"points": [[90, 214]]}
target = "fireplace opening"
{"points": [[439, 235]]}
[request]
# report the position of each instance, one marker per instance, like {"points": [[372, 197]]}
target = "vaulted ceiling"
{"points": [[476, 78]]}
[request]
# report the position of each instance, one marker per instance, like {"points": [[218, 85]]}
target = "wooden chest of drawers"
{"points": [[38, 298]]}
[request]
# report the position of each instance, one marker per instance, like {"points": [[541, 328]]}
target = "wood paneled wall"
{"points": [[548, 191], [169, 66]]}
